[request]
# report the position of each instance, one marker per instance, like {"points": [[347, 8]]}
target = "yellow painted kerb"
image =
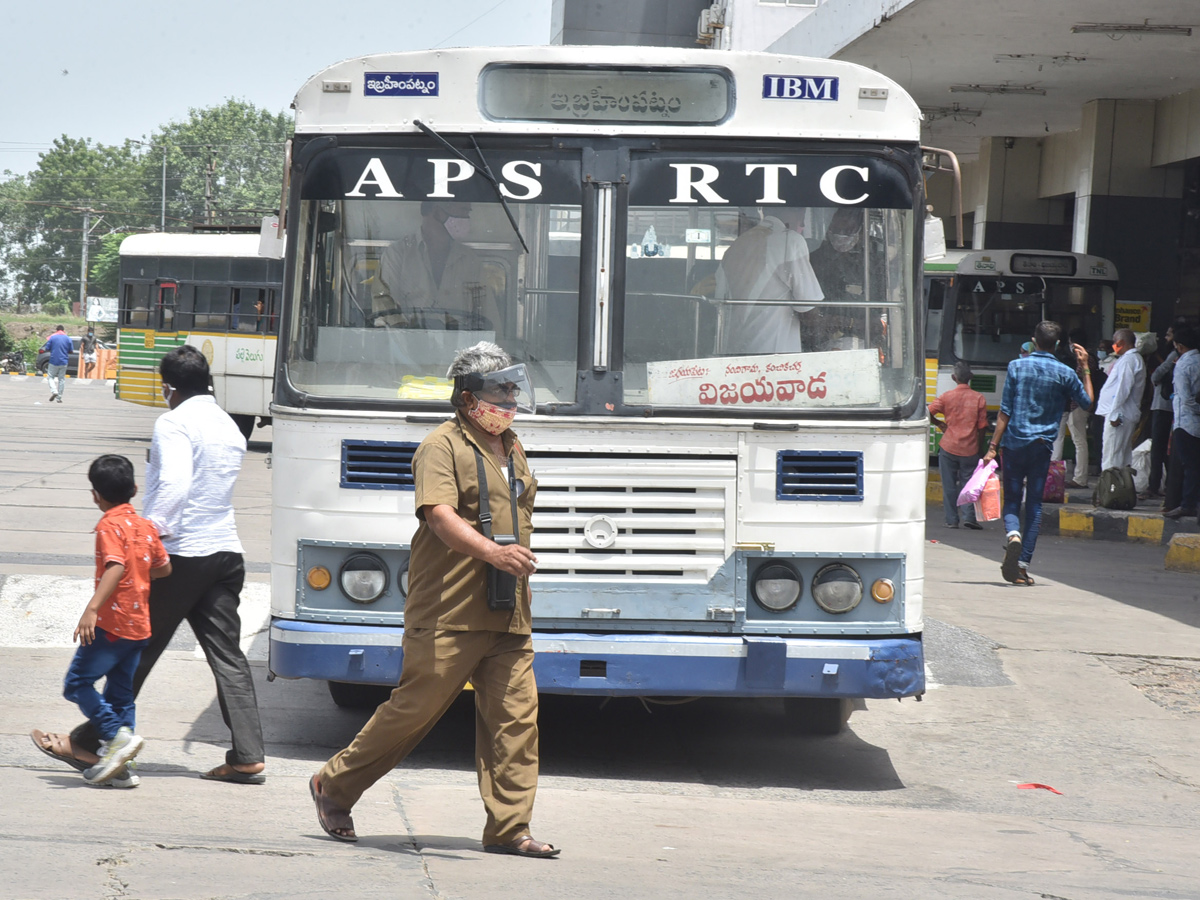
{"points": [[1073, 523], [1145, 528], [1183, 553]]}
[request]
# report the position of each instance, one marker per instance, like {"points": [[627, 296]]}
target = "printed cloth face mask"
{"points": [[492, 418]]}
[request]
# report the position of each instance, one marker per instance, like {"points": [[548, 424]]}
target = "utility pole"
{"points": [[87, 215], [209, 171], [163, 225]]}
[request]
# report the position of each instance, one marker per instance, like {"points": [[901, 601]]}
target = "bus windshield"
{"points": [[724, 282], [991, 326]]}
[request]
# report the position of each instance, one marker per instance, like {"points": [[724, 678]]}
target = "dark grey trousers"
{"points": [[206, 591]]}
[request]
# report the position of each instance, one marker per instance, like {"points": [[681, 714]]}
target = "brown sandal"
{"points": [[334, 820], [59, 747], [1024, 578]]}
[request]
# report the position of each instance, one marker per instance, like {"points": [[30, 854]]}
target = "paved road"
{"points": [[1086, 682]]}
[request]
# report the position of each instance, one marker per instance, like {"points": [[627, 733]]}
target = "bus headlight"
{"points": [[402, 581], [837, 588], [776, 588], [363, 578]]}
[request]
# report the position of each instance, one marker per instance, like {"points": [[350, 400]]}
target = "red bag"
{"points": [[1056, 481]]}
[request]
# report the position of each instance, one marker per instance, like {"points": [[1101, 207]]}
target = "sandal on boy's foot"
{"points": [[524, 845], [1024, 578], [1009, 568], [334, 820], [58, 746]]}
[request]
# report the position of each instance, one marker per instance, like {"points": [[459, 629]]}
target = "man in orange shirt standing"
{"points": [[964, 416]]}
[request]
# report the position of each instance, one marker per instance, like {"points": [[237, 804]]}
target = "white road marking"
{"points": [[43, 610]]}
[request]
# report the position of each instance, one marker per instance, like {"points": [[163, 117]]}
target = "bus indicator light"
{"points": [[318, 578]]}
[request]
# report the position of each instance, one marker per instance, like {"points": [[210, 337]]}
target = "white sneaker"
{"points": [[113, 756], [124, 778]]}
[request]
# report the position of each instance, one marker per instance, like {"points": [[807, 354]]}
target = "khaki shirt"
{"points": [[406, 282], [447, 589]]}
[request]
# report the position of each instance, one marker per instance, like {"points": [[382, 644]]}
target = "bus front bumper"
{"points": [[680, 665]]}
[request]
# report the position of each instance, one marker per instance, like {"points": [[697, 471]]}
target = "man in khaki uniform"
{"points": [[433, 275], [451, 636]]}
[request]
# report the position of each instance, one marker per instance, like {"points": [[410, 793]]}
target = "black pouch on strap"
{"points": [[501, 586]]}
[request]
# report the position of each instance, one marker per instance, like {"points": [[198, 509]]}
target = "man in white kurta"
{"points": [[1120, 401], [767, 263]]}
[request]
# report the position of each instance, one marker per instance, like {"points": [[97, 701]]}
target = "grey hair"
{"points": [[1125, 336], [962, 372], [480, 359]]}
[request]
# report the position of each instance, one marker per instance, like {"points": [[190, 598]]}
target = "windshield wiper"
{"points": [[486, 171]]}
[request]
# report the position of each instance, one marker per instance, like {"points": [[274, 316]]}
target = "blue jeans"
{"points": [[1025, 471], [112, 658], [955, 470]]}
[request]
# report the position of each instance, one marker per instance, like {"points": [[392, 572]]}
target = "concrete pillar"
{"points": [[1127, 209], [1010, 213]]}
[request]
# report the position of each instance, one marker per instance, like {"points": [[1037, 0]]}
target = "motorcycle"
{"points": [[13, 362]]}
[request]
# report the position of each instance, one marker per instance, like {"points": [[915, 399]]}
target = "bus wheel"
{"points": [[817, 715], [358, 696], [245, 425]]}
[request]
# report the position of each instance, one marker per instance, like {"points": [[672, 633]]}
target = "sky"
{"points": [[122, 69]]}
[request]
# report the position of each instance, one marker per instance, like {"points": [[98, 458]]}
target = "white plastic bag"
{"points": [[1141, 467]]}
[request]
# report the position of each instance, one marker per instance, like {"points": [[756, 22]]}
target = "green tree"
{"points": [[224, 164], [106, 266]]}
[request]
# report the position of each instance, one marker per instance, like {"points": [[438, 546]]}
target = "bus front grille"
{"points": [[631, 515]]}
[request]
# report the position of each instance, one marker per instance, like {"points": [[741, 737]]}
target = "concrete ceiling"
{"points": [[933, 44]]}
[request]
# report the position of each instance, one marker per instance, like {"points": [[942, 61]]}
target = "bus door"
{"points": [[168, 291]]}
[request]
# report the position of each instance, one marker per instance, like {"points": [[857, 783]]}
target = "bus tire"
{"points": [[245, 425], [817, 715], [358, 696]]}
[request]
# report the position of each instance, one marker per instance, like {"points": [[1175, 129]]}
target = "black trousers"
{"points": [[1183, 474], [206, 591], [1160, 436]]}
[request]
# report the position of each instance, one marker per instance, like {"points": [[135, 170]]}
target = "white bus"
{"points": [[213, 291], [730, 431], [982, 305]]}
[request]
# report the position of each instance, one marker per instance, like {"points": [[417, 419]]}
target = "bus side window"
{"points": [[212, 307], [185, 302], [137, 305]]}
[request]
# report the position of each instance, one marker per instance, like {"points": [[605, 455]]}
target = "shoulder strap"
{"points": [[485, 514]]}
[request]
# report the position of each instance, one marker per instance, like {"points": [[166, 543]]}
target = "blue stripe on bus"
{"points": [[879, 668]]}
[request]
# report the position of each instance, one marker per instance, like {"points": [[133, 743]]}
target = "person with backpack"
{"points": [[1036, 391]]}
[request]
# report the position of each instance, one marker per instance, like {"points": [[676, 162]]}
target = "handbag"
{"points": [[501, 586]]}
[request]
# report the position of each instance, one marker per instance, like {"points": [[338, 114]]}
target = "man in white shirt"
{"points": [[195, 456], [1120, 402], [768, 264]]}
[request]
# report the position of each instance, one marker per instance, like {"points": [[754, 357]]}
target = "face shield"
{"points": [[509, 388]]}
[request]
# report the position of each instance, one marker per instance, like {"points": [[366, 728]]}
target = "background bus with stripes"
{"points": [[212, 291]]}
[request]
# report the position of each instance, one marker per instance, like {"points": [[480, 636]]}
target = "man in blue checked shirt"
{"points": [[1036, 391]]}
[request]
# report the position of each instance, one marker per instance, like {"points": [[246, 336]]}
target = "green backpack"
{"points": [[1115, 489]]}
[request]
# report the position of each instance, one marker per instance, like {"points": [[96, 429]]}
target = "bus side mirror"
{"points": [[935, 237]]}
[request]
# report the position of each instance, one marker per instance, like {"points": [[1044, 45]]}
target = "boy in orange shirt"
{"points": [[115, 626]]}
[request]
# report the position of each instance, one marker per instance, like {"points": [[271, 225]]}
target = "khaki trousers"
{"points": [[437, 665]]}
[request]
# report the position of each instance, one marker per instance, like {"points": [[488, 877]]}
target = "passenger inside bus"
{"points": [[768, 262], [431, 279], [840, 266]]}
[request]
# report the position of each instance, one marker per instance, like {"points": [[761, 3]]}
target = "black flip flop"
{"points": [[513, 848], [233, 776], [71, 761], [1009, 568]]}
